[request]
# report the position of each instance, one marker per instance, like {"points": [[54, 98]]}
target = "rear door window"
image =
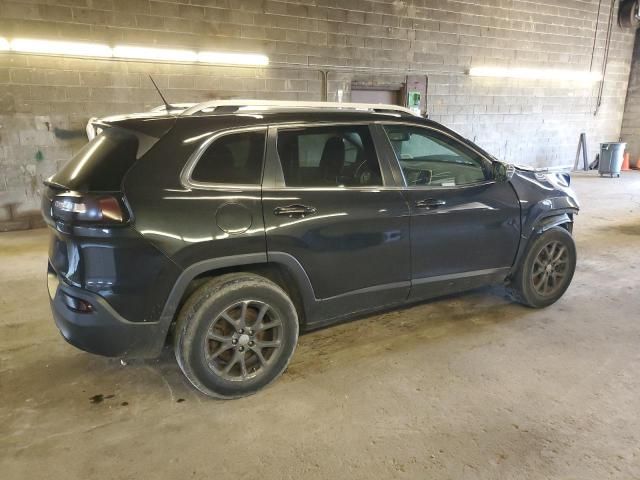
{"points": [[235, 158], [328, 157]]}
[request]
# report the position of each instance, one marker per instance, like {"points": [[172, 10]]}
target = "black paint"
{"points": [[360, 250]]}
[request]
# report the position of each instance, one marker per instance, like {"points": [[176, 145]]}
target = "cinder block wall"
{"points": [[46, 101], [631, 120]]}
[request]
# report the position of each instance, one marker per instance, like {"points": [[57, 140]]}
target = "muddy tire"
{"points": [[546, 270], [235, 335]]}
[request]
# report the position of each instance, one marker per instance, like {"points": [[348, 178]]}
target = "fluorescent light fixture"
{"points": [[149, 53], [56, 47], [233, 58], [81, 49], [535, 73]]}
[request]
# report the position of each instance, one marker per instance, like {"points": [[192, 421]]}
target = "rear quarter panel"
{"points": [[184, 222], [115, 263]]}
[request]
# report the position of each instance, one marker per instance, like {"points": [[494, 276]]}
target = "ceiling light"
{"points": [[81, 49], [148, 53], [56, 47], [233, 58], [535, 73]]}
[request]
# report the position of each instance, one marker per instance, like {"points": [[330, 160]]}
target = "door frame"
{"points": [[449, 283], [322, 311], [396, 91]]}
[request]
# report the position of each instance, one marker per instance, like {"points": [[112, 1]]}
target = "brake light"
{"points": [[99, 209]]}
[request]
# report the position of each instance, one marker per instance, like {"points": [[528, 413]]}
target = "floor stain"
{"points": [[99, 398], [631, 229]]}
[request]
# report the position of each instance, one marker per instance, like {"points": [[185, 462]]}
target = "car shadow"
{"points": [[91, 385], [393, 330]]}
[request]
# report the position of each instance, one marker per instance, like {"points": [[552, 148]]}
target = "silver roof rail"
{"points": [[175, 107], [253, 105]]}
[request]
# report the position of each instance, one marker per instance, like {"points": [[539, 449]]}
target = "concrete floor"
{"points": [[466, 387]]}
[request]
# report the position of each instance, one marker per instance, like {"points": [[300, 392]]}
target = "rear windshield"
{"points": [[101, 164]]}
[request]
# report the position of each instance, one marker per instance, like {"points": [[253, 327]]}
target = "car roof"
{"points": [[259, 107], [158, 123], [252, 105], [204, 123], [271, 116]]}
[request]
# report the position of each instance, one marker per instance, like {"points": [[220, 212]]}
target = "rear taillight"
{"points": [[85, 208]]}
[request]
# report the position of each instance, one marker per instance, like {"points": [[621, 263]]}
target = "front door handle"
{"points": [[294, 211], [430, 203]]}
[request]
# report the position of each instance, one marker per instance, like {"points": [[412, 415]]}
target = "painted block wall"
{"points": [[45, 102]]}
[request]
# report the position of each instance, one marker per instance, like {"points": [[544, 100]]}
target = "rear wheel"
{"points": [[235, 335], [546, 270]]}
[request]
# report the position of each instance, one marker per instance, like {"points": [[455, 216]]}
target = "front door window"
{"points": [[430, 158]]}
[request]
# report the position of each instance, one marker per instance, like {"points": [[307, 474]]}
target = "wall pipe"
{"points": [[605, 59]]}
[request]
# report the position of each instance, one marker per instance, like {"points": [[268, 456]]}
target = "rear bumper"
{"points": [[102, 330]]}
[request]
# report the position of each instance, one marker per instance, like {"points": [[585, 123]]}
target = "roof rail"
{"points": [[228, 106], [174, 107]]}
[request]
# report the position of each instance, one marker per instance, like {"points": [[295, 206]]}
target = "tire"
{"points": [[627, 14], [219, 342], [539, 280]]}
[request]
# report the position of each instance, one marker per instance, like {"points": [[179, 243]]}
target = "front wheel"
{"points": [[235, 334], [546, 269]]}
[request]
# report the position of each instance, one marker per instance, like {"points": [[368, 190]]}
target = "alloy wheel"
{"points": [[550, 268], [244, 340]]}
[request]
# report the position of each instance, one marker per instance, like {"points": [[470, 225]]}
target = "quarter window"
{"points": [[234, 159], [328, 157], [430, 158]]}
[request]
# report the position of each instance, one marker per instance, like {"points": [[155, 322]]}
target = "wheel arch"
{"points": [[541, 224], [521, 286], [281, 268], [544, 223]]}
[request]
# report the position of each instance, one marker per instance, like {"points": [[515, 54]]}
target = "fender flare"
{"points": [[539, 226], [545, 223], [285, 260]]}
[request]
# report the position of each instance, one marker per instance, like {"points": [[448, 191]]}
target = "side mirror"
{"points": [[499, 171]]}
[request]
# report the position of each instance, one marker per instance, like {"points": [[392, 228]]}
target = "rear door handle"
{"points": [[294, 211], [430, 203]]}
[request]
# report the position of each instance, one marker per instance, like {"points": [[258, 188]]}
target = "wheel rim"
{"points": [[244, 340], [550, 268]]}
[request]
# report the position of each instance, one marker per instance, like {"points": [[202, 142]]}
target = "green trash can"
{"points": [[611, 157]]}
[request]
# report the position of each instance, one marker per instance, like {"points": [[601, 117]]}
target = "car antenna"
{"points": [[167, 105]]}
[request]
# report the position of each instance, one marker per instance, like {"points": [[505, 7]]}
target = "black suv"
{"points": [[234, 226]]}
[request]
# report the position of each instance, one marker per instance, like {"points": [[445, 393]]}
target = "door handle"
{"points": [[294, 211], [430, 203]]}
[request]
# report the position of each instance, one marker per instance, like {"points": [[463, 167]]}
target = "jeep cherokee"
{"points": [[236, 224]]}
